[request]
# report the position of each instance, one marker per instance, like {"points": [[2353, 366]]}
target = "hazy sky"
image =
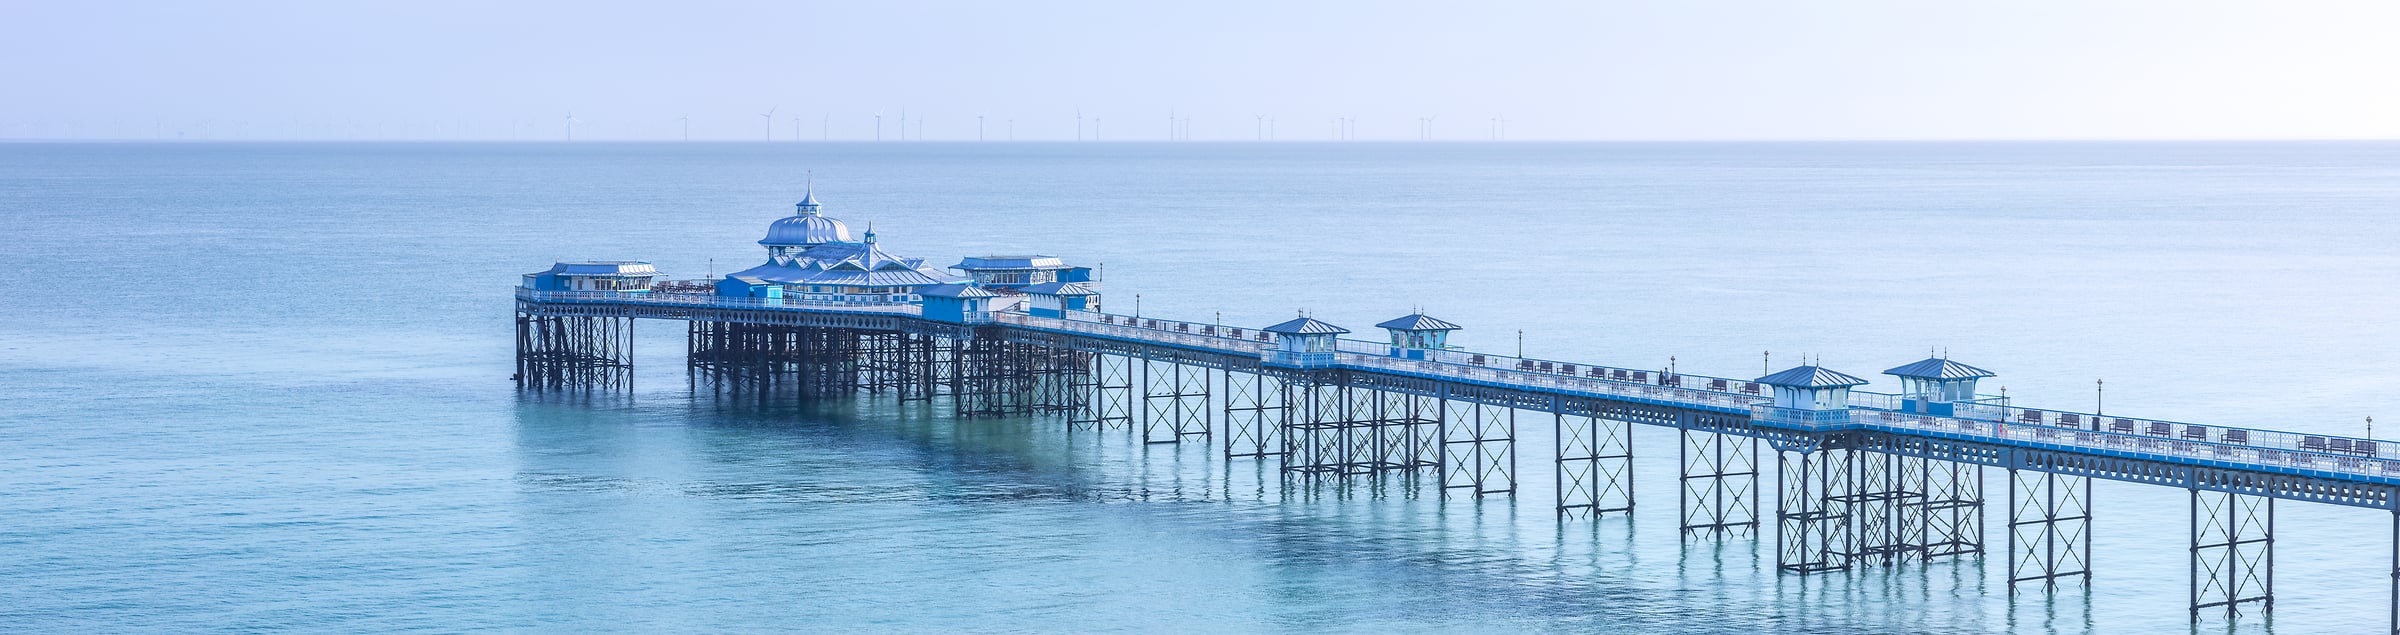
{"points": [[1555, 70]]}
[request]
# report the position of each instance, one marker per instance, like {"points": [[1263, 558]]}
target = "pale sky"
{"points": [[1576, 70]]}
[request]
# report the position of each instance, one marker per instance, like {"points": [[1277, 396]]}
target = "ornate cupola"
{"points": [[805, 228]]}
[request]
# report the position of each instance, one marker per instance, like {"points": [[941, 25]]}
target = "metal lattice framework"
{"points": [[1812, 511], [1175, 400], [2233, 552], [1595, 465], [1110, 395], [1254, 413], [1720, 482], [2049, 528], [1479, 450], [559, 352]]}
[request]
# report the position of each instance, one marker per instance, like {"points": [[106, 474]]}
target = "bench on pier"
{"points": [[2313, 443], [2237, 436], [2160, 429], [2195, 433], [2121, 426]]}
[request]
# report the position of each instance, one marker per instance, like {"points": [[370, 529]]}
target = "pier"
{"points": [[1843, 479]]}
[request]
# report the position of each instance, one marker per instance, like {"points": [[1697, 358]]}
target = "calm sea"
{"points": [[254, 387]]}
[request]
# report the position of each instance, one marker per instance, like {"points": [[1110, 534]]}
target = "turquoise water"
{"points": [[250, 387]]}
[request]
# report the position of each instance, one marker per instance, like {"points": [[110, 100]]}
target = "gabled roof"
{"points": [[1305, 326], [955, 291], [1418, 322], [1011, 262], [1059, 288], [1811, 377], [600, 268], [1938, 368]]}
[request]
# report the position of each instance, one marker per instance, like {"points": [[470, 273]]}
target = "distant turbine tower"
{"points": [[979, 127], [1079, 124], [687, 126], [571, 121], [903, 123], [1170, 124], [769, 115], [795, 128], [1261, 131], [879, 125]]}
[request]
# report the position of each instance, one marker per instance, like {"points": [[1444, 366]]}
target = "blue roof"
{"points": [[1059, 288], [956, 291], [1418, 322], [1938, 368], [806, 229], [1011, 262], [1305, 326], [1811, 377], [601, 268]]}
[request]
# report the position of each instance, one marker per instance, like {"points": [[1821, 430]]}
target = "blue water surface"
{"points": [[265, 386]]}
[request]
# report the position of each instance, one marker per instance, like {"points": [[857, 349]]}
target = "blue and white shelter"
{"points": [[1008, 273], [750, 287], [1054, 299], [1303, 341], [1414, 334], [1932, 386], [622, 276], [957, 303], [1812, 388]]}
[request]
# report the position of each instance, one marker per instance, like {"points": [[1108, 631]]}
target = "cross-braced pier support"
{"points": [[1058, 372], [1948, 516], [1109, 386], [994, 379], [1812, 511], [1174, 401], [1884, 510], [2233, 552], [1479, 448], [1254, 413], [2049, 528], [1595, 465], [1720, 482], [574, 351], [1342, 430]]}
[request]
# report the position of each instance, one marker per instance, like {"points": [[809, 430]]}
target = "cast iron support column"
{"points": [[2049, 527], [2233, 551], [1720, 481], [1595, 465], [1254, 413], [1812, 512]]}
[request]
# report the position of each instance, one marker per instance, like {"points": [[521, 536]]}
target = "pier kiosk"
{"points": [[1414, 334], [1303, 342], [1935, 386], [957, 303], [622, 276]]}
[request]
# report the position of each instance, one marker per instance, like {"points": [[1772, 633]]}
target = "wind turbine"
{"points": [[1261, 128], [903, 123], [687, 126], [1012, 129], [1079, 124], [795, 128], [769, 115], [879, 125], [979, 127], [571, 121]]}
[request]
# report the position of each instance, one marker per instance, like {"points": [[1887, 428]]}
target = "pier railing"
{"points": [[2234, 447], [713, 301], [1978, 419]]}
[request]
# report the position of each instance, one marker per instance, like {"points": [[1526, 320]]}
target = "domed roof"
{"points": [[806, 227]]}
